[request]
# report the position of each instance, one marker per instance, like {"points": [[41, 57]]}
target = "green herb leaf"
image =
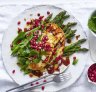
{"points": [[36, 60], [75, 62]]}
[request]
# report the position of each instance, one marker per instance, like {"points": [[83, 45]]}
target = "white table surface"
{"points": [[81, 9]]}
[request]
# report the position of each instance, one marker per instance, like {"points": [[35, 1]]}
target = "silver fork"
{"points": [[57, 79]]}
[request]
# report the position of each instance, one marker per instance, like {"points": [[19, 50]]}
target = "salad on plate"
{"points": [[40, 46]]}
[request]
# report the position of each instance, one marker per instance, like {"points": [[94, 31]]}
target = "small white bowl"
{"points": [[94, 34], [89, 78]]}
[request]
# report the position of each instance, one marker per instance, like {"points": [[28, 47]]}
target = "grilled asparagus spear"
{"points": [[59, 18]]}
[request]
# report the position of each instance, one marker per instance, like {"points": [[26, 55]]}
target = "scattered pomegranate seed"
{"points": [[32, 84], [77, 37], [74, 58], [58, 58], [19, 30], [38, 14], [48, 12], [31, 27], [37, 82], [43, 87], [36, 22], [66, 62], [45, 59], [13, 71], [25, 30], [50, 70], [28, 23], [44, 81], [19, 23], [54, 52], [30, 74], [41, 17]]}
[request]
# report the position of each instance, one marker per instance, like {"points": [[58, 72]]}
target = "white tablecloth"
{"points": [[81, 9]]}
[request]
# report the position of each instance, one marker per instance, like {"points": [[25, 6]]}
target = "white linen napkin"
{"points": [[81, 10]]}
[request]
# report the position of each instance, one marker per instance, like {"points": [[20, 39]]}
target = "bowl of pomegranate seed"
{"points": [[91, 74]]}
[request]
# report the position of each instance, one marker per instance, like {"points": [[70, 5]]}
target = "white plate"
{"points": [[10, 62]]}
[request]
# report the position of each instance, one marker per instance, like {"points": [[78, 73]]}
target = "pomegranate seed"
{"points": [[55, 49], [32, 47], [25, 30], [37, 22], [28, 23], [74, 58], [37, 82], [50, 70], [19, 30], [66, 62], [38, 14], [30, 74], [58, 58], [43, 87], [41, 17], [19, 23], [45, 60], [48, 12], [44, 81], [32, 42], [31, 28], [13, 71], [32, 84], [45, 38], [77, 37]]}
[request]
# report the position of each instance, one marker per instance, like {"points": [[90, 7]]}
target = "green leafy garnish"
{"points": [[92, 22], [75, 61]]}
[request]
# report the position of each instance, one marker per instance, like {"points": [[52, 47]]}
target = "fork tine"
{"points": [[65, 76]]}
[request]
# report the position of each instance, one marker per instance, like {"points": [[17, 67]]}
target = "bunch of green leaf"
{"points": [[92, 22]]}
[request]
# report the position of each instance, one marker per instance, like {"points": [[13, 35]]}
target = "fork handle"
{"points": [[22, 90], [22, 86]]}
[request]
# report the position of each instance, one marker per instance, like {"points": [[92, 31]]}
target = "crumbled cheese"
{"points": [[59, 62], [43, 57]]}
